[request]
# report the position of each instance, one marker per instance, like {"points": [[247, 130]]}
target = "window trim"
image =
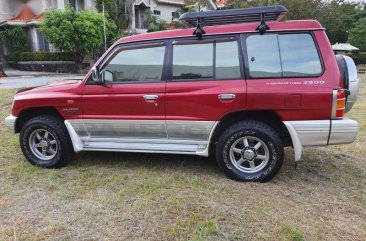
{"points": [[246, 61], [122, 47], [209, 39]]}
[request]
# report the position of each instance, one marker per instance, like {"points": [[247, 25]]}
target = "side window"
{"points": [[134, 65], [263, 56], [196, 61], [299, 55], [227, 60], [282, 55], [193, 61]]}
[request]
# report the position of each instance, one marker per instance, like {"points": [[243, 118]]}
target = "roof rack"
{"points": [[234, 16]]}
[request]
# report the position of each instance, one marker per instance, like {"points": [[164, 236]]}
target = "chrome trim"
{"points": [[119, 128], [227, 96], [189, 130], [151, 97], [10, 122], [343, 131], [334, 104]]}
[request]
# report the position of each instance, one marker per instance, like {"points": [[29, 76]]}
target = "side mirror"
{"points": [[96, 75], [107, 76]]}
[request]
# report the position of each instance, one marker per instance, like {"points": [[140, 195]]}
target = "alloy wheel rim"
{"points": [[43, 144], [249, 154]]}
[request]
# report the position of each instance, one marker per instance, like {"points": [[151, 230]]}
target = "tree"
{"points": [[77, 32], [357, 35], [15, 39], [155, 23], [337, 16]]}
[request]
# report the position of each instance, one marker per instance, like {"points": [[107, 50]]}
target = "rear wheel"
{"points": [[45, 142], [250, 151]]}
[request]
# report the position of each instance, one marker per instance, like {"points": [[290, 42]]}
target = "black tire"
{"points": [[271, 149], [57, 132]]}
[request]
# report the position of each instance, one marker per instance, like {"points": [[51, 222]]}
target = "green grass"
{"points": [[110, 196]]}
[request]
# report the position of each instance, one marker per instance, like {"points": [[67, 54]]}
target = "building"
{"points": [[29, 13]]}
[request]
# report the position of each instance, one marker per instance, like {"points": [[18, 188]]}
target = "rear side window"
{"points": [[193, 61], [283, 55], [217, 60]]}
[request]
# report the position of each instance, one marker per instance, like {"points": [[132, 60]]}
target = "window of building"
{"points": [[157, 12], [133, 65], [282, 55], [175, 14]]}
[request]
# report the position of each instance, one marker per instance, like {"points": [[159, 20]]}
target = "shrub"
{"points": [[40, 56], [359, 58]]}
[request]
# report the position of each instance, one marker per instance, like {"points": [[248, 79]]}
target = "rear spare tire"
{"points": [[351, 82]]}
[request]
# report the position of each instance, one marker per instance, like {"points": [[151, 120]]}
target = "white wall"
{"points": [[166, 11]]}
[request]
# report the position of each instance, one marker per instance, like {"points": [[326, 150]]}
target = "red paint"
{"points": [[196, 100]]}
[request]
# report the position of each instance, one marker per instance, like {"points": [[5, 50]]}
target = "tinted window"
{"points": [[299, 55], [227, 60], [263, 56], [137, 65], [283, 55], [193, 61]]}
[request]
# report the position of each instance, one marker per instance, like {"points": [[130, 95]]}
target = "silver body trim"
{"points": [[343, 131], [10, 122], [185, 137], [317, 132]]}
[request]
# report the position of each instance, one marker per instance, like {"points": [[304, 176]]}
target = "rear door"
{"points": [[206, 81]]}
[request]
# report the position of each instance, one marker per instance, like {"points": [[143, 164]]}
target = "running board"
{"points": [[144, 147]]}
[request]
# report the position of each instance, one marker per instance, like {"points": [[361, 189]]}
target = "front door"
{"points": [[206, 82], [130, 105]]}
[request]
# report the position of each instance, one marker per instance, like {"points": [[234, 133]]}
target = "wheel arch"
{"points": [[268, 117], [29, 113]]}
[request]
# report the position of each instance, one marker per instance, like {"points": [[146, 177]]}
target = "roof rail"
{"points": [[234, 16]]}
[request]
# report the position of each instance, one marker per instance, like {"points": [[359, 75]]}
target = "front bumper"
{"points": [[320, 133], [10, 122]]}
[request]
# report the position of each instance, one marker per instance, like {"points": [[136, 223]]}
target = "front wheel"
{"points": [[250, 151], [45, 142]]}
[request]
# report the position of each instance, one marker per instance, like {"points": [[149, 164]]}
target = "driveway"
{"points": [[22, 79]]}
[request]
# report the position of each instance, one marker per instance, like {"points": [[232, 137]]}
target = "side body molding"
{"points": [[189, 137]]}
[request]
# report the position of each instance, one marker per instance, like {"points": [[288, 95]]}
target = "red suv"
{"points": [[239, 86]]}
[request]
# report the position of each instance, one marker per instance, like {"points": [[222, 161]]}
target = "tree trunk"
{"points": [[2, 73]]}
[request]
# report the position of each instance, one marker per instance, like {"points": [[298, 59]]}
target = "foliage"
{"points": [[359, 58], [77, 32], [115, 10], [40, 56], [15, 39], [337, 16], [357, 35], [156, 23], [199, 3]]}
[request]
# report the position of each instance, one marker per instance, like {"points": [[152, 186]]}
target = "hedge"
{"points": [[40, 56], [359, 58]]}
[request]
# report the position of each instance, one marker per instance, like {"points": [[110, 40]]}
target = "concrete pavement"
{"points": [[21, 79]]}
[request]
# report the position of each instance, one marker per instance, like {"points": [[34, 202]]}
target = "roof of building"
{"points": [[344, 47], [226, 29], [24, 17], [25, 14]]}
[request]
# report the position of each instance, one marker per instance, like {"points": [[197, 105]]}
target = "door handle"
{"points": [[151, 97], [227, 96]]}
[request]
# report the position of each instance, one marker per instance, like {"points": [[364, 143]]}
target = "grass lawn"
{"points": [[122, 196]]}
